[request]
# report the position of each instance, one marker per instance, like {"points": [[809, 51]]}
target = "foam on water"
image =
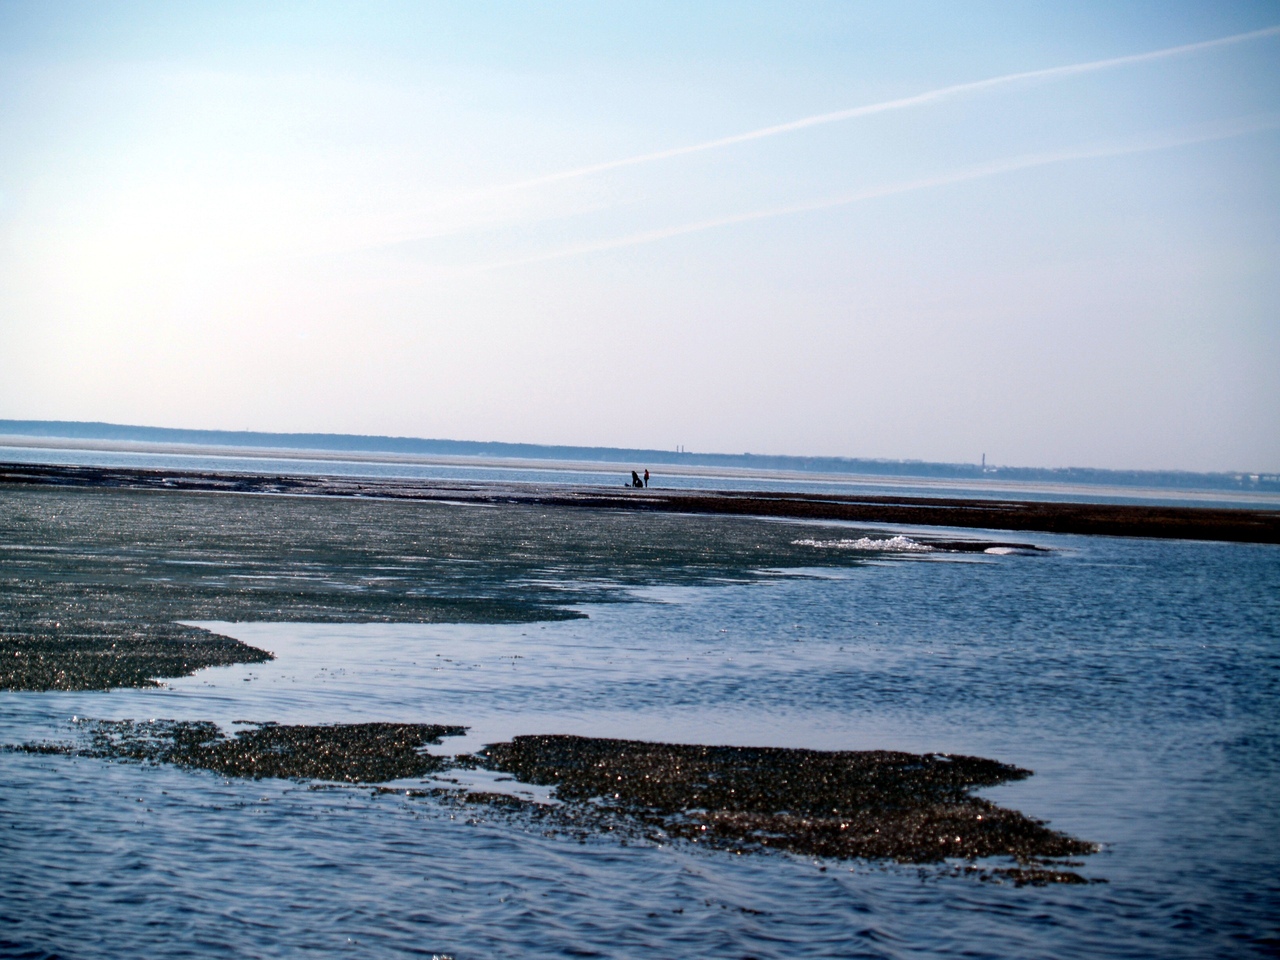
{"points": [[896, 544]]}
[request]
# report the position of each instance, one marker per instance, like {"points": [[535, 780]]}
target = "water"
{"points": [[1140, 680], [667, 477]]}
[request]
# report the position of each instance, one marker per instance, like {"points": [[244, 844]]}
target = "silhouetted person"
{"points": [[646, 478], [635, 479]]}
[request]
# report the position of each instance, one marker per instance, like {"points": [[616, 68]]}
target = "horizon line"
{"points": [[6, 421]]}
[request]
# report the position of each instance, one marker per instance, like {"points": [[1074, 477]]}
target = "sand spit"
{"points": [[1190, 523], [867, 805]]}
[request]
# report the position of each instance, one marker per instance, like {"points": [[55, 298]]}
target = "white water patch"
{"points": [[898, 544]]}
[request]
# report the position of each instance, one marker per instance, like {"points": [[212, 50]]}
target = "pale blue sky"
{"points": [[486, 221]]}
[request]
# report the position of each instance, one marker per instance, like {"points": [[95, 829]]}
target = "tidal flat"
{"points": [[97, 584]]}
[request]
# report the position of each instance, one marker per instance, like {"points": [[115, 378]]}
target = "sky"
{"points": [[1044, 232]]}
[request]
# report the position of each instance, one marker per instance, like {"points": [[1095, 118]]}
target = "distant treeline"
{"points": [[353, 443]]}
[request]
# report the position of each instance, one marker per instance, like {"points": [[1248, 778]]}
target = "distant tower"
{"points": [[984, 463]]}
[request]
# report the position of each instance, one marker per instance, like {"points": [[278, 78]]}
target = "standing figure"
{"points": [[646, 477]]}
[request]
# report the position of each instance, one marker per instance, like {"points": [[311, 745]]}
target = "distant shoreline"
{"points": [[1092, 519], [334, 445]]}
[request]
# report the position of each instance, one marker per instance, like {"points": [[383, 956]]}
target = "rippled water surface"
{"points": [[1140, 680]]}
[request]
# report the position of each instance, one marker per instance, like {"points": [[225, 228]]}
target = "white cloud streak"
{"points": [[902, 103], [1223, 131]]}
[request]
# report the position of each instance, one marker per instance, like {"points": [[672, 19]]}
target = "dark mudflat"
{"points": [[350, 753], [98, 566], [96, 580], [872, 805], [97, 654], [1125, 520], [869, 804]]}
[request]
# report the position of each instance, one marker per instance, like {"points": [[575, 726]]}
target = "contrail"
{"points": [[1235, 128], [919, 99]]}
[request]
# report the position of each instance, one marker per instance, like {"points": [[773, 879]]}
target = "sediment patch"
{"points": [[868, 805], [91, 654], [349, 753], [874, 805], [95, 583]]}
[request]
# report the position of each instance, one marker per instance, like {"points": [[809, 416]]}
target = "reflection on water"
{"points": [[1139, 680]]}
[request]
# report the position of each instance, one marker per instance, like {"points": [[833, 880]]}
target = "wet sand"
{"points": [[1125, 520]]}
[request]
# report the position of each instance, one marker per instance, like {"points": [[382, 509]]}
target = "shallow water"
{"points": [[1140, 680]]}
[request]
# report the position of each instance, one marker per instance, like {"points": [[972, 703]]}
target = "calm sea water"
{"points": [[1140, 680], [666, 477]]}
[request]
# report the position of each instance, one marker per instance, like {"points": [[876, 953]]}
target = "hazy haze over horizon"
{"points": [[1045, 232]]}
